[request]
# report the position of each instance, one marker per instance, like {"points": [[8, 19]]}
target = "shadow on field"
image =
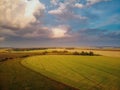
{"points": [[14, 76]]}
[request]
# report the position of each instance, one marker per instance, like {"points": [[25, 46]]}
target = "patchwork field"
{"points": [[82, 72]]}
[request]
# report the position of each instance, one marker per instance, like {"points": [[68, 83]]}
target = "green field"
{"points": [[82, 72], [14, 76], [59, 69]]}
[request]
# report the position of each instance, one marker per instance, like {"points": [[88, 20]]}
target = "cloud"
{"points": [[60, 31], [7, 32], [65, 21], [64, 12], [97, 36], [59, 10], [88, 3], [20, 13], [54, 2], [79, 5], [92, 2], [114, 35], [2, 38], [114, 19], [41, 32]]}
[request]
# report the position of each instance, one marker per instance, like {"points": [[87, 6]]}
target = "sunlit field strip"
{"points": [[83, 72]]}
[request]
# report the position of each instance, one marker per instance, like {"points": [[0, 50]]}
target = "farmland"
{"points": [[14, 76], [59, 69], [82, 72]]}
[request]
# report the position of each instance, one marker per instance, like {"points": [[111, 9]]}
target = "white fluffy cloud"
{"points": [[88, 3], [59, 10], [91, 2], [54, 2], [64, 12], [60, 31], [79, 5], [19, 13]]}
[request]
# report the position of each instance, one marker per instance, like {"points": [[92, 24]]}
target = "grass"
{"points": [[14, 76], [82, 72]]}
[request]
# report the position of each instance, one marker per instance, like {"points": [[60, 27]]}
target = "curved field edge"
{"points": [[43, 73], [82, 72], [15, 76]]}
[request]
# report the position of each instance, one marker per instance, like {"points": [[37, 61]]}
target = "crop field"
{"points": [[59, 69], [14, 76], [81, 72]]}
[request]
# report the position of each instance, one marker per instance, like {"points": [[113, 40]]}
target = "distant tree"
{"points": [[91, 53], [82, 53], [76, 53], [55, 51], [87, 53], [65, 51]]}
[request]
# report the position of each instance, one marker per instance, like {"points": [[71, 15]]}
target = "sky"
{"points": [[52, 23]]}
